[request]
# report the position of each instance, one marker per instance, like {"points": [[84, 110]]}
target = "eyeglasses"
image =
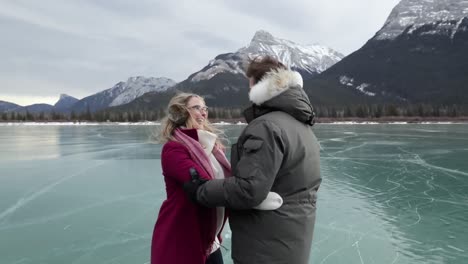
{"points": [[199, 108]]}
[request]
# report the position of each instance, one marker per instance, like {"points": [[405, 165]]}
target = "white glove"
{"points": [[273, 201]]}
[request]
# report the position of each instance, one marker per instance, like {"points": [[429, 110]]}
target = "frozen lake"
{"points": [[90, 194]]}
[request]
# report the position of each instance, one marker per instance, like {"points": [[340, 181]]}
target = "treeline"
{"points": [[219, 113], [28, 116], [102, 116], [111, 116], [392, 110]]}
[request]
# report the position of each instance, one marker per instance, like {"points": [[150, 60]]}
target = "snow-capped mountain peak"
{"points": [[262, 36], [312, 59], [134, 87], [122, 93], [413, 14]]}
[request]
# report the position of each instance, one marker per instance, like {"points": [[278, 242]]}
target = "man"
{"points": [[277, 151]]}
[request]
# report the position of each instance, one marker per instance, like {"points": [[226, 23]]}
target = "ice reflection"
{"points": [[397, 186], [28, 143], [109, 142]]}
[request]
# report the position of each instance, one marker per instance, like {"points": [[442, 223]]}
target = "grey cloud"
{"points": [[142, 8], [83, 47], [285, 14], [342, 25], [209, 40]]}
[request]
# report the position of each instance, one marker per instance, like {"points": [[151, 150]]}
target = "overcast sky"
{"points": [[80, 47]]}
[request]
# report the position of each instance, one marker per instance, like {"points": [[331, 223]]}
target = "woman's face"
{"points": [[198, 111]]}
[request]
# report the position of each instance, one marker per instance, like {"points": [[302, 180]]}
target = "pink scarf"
{"points": [[199, 156]]}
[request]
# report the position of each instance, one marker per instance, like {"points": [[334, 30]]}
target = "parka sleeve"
{"points": [[176, 162], [254, 174]]}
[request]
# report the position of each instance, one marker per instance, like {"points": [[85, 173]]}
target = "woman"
{"points": [[186, 232]]}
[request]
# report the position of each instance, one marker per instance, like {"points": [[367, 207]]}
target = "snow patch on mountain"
{"points": [[417, 13], [217, 66], [345, 80], [348, 81], [362, 88], [125, 92]]}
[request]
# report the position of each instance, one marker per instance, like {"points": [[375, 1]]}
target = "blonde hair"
{"points": [[177, 115]]}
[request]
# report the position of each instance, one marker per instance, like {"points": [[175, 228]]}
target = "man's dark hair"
{"points": [[259, 66]]}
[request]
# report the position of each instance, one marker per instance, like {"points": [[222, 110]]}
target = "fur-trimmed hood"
{"points": [[273, 84], [280, 90]]}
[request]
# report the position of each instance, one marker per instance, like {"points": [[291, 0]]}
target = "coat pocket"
{"points": [[252, 145]]}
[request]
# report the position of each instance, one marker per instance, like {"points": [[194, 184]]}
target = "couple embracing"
{"points": [[268, 191]]}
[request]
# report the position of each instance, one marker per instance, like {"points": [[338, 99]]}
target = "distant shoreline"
{"points": [[382, 120], [239, 121]]}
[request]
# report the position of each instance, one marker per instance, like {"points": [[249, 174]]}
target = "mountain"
{"points": [[36, 108], [223, 83], [62, 105], [7, 106], [122, 93], [420, 55], [33, 109], [65, 103]]}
